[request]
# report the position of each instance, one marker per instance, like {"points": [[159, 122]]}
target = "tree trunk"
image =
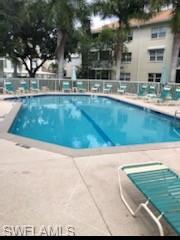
{"points": [[85, 63], [15, 70], [119, 49], [175, 55], [118, 63], [32, 74], [61, 41]]}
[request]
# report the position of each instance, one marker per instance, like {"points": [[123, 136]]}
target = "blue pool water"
{"points": [[89, 122]]}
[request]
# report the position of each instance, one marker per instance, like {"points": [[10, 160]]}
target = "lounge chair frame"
{"points": [[144, 205], [5, 88], [122, 89], [96, 88], [107, 88], [79, 86], [33, 88], [66, 87]]}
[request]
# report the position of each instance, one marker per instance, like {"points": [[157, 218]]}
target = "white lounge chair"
{"points": [[8, 87], [96, 88], [66, 87], [34, 86], [108, 88], [80, 87], [160, 186], [122, 89]]}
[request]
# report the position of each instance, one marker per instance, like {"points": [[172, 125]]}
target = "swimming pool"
{"points": [[82, 122]]}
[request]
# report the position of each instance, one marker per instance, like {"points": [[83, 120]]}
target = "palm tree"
{"points": [[84, 35], [65, 16], [124, 11], [63, 19]]}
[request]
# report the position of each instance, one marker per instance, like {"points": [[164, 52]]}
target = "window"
{"points": [[93, 56], [130, 36], [154, 77], [105, 74], [126, 57], [125, 77], [158, 32], [105, 55], [156, 55]]}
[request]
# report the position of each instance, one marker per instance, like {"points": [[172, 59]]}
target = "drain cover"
{"points": [[23, 146]]}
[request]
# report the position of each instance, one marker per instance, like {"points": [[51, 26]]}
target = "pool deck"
{"points": [[39, 187]]}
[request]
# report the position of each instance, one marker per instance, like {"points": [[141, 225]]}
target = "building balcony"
{"points": [[105, 64]]}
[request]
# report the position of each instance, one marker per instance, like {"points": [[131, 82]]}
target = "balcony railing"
{"points": [[101, 64]]}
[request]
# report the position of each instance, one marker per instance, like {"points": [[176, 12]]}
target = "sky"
{"points": [[97, 22]]}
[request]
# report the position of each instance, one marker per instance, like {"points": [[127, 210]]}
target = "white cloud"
{"points": [[98, 22]]}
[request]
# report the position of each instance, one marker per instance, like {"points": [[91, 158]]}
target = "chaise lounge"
{"points": [[80, 87], [8, 87], [66, 87], [107, 88], [23, 88], [34, 86], [161, 187], [96, 88]]}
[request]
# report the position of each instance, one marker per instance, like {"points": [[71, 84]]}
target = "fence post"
{"points": [[89, 85], [29, 84], [38, 83], [4, 87], [138, 87], [55, 85], [158, 89], [58, 85], [103, 87]]}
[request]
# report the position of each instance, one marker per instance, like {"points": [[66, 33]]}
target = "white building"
{"points": [[149, 52], [7, 70]]}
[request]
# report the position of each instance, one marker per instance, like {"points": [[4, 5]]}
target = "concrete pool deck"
{"points": [[44, 188]]}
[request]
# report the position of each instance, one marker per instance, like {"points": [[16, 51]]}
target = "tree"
{"points": [[26, 36], [124, 11], [62, 15], [65, 15], [84, 35]]}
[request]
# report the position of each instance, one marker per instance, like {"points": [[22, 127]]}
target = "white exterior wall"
{"points": [[141, 65], [8, 69]]}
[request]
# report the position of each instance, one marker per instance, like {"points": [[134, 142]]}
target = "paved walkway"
{"points": [[44, 188], [5, 108]]}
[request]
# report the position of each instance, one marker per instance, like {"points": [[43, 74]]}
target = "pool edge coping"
{"points": [[31, 143]]}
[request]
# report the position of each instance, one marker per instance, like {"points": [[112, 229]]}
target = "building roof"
{"points": [[163, 16]]}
